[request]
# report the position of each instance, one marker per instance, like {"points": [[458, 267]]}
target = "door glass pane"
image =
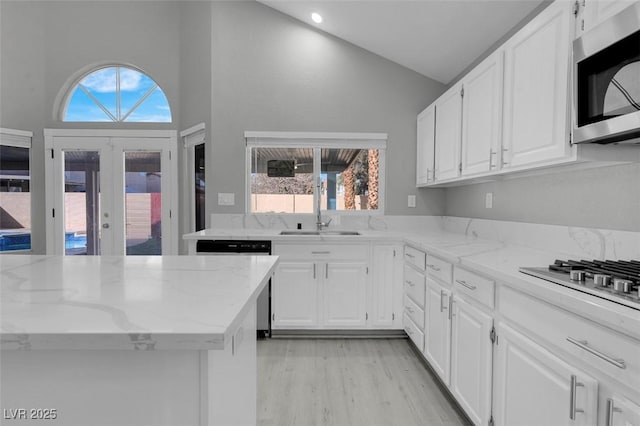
{"points": [[349, 179], [82, 202], [15, 199], [199, 185], [143, 202], [282, 180]]}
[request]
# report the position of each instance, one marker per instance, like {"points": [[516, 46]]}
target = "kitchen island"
{"points": [[129, 340]]}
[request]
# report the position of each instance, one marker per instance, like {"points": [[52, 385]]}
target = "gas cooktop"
{"points": [[617, 281]]}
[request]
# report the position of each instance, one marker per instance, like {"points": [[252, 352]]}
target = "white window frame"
{"points": [[318, 141], [192, 137], [20, 139]]}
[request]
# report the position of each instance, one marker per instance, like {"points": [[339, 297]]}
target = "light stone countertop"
{"points": [[133, 302], [495, 259]]}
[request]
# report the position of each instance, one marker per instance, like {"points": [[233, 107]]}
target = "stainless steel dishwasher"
{"points": [[245, 248]]}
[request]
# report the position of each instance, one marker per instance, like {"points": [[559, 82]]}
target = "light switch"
{"points": [[411, 201], [488, 200], [226, 198]]}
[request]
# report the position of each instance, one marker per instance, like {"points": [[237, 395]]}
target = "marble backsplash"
{"points": [[590, 243], [308, 221], [575, 241]]}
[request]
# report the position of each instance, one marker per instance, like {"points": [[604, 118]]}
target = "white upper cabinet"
{"points": [[536, 81], [596, 11], [426, 145], [448, 133], [482, 116]]}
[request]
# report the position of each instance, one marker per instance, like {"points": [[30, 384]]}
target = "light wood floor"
{"points": [[347, 382]]}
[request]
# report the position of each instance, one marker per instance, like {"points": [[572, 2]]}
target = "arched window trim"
{"points": [[67, 91]]}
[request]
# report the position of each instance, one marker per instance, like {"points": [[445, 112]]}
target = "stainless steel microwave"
{"points": [[606, 81]]}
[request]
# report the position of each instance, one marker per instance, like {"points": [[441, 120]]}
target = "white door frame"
{"points": [[166, 139]]}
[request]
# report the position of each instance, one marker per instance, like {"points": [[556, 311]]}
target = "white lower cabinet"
{"points": [[532, 386], [329, 286], [437, 345], [619, 411], [385, 298], [295, 295], [471, 359], [344, 294]]}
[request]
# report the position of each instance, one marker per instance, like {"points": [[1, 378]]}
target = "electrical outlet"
{"points": [[411, 201], [226, 198], [488, 200]]}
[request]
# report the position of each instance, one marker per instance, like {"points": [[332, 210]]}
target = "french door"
{"points": [[111, 192]]}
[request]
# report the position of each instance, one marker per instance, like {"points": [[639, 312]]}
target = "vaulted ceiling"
{"points": [[436, 38]]}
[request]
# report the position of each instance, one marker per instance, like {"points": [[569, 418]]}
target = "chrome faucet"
{"points": [[319, 223]]}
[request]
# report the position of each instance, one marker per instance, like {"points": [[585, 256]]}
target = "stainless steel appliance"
{"points": [[617, 281], [246, 248], [606, 96]]}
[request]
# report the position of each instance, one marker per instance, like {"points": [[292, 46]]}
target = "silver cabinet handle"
{"points": [[464, 283], [451, 302], [409, 282], [314, 271], [442, 307], [434, 267], [410, 256], [491, 154], [583, 344], [320, 252], [504, 163], [326, 271], [572, 398], [611, 410], [428, 171]]}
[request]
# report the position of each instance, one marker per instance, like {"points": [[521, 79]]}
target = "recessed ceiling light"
{"points": [[316, 17]]}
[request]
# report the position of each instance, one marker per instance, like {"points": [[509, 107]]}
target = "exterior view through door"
{"points": [[111, 192]]}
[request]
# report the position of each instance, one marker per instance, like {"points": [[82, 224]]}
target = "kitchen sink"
{"points": [[301, 232]]}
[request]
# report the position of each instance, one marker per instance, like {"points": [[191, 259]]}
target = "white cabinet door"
{"points": [[437, 342], [535, 387], [448, 133], [425, 148], [385, 306], [295, 295], [482, 116], [344, 294], [536, 75], [471, 360], [621, 412]]}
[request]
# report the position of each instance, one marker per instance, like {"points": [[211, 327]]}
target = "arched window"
{"points": [[119, 94]]}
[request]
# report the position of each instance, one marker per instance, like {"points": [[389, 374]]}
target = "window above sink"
{"points": [[287, 171]]}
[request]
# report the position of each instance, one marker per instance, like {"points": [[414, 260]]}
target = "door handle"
{"points": [[583, 344], [442, 307], [572, 397], [611, 410]]}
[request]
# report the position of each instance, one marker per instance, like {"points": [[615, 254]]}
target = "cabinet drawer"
{"points": [[413, 331], [415, 257], [614, 354], [439, 269], [414, 283], [480, 288], [322, 251], [415, 312]]}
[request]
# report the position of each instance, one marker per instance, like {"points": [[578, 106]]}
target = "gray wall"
{"points": [[235, 66], [271, 72], [605, 197], [43, 44]]}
